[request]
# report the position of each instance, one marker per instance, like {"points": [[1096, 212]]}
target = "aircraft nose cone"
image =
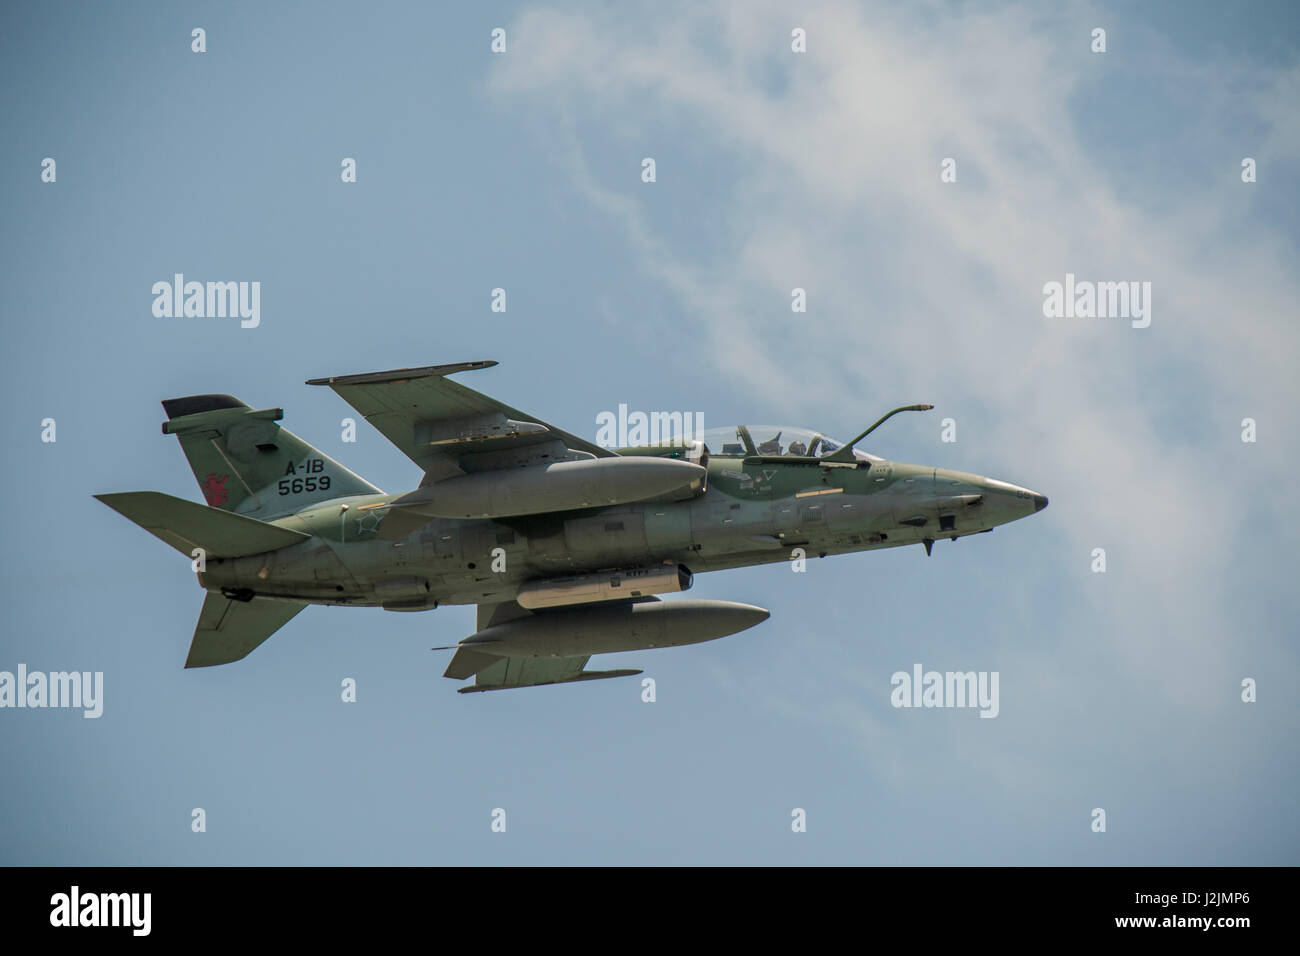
{"points": [[1040, 502]]}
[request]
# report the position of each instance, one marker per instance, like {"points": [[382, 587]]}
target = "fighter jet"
{"points": [[564, 546]]}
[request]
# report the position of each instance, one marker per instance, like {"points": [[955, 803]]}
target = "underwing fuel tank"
{"points": [[604, 586], [607, 629], [559, 486]]}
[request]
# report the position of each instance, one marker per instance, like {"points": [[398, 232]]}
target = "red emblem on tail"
{"points": [[214, 489]]}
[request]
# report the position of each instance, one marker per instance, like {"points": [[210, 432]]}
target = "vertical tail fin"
{"points": [[246, 463]]}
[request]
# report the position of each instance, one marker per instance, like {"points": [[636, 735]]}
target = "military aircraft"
{"points": [[565, 546]]}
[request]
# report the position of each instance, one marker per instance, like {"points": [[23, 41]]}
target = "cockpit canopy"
{"points": [[773, 440]]}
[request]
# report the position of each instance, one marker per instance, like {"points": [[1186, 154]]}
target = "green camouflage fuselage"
{"points": [[751, 513]]}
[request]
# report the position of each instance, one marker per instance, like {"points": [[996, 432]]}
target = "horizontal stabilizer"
{"points": [[230, 630], [186, 525]]}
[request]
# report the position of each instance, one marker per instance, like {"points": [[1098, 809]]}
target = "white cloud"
{"points": [[916, 287]]}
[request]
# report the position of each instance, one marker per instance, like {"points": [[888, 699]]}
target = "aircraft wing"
{"points": [[503, 673], [491, 672], [448, 429]]}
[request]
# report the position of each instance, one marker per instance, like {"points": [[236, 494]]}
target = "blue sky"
{"points": [[774, 170]]}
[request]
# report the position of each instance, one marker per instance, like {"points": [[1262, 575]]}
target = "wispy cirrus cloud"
{"points": [[826, 174]]}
